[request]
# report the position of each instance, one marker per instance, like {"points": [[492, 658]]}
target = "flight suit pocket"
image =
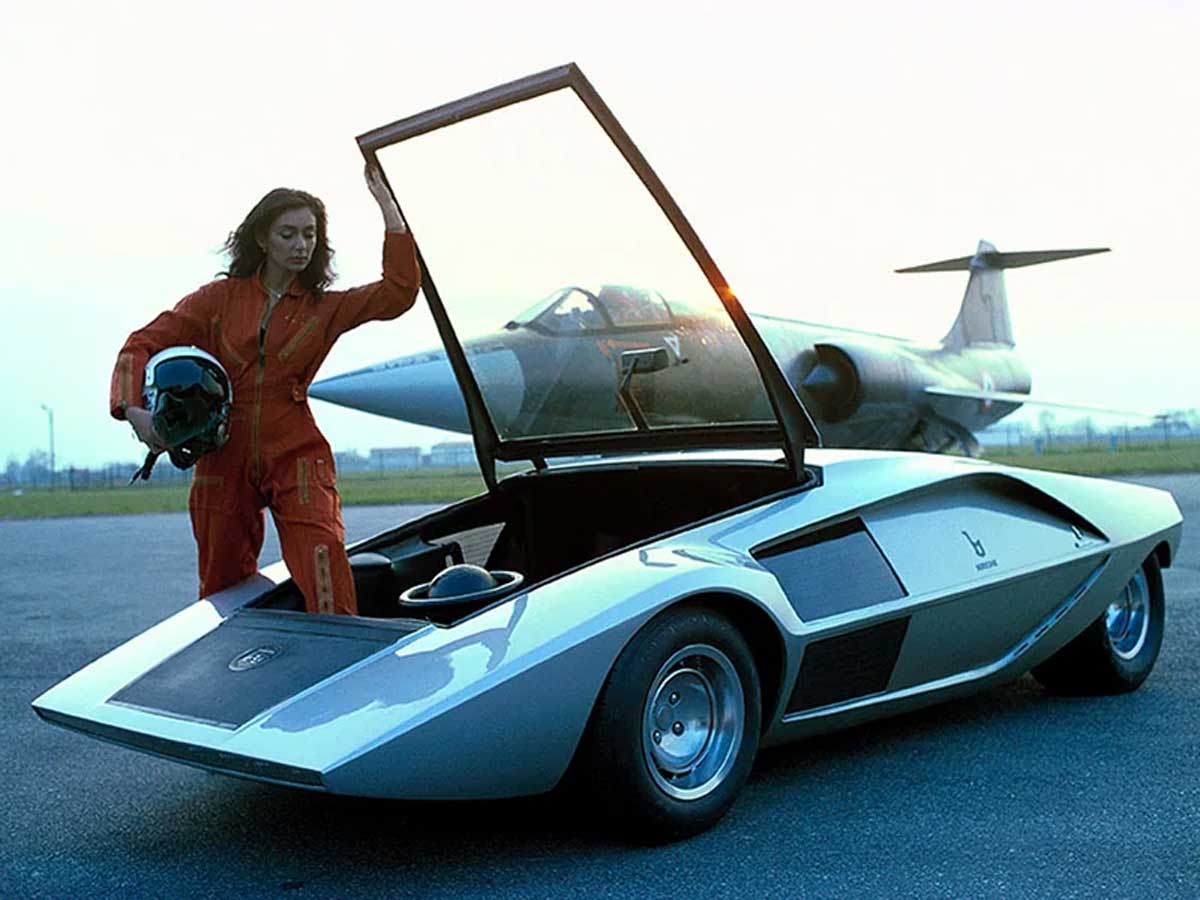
{"points": [[316, 493], [226, 348], [301, 336], [324, 472], [302, 476]]}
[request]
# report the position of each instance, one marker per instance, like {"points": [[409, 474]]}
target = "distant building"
{"points": [[351, 461], [383, 458], [452, 454]]}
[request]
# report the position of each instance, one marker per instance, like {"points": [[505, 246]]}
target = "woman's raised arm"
{"points": [[392, 220]]}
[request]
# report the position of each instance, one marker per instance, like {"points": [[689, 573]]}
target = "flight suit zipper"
{"points": [[259, 376]]}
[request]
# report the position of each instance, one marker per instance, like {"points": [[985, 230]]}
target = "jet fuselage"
{"points": [[862, 389]]}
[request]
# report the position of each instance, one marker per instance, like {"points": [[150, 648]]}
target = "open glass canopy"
{"points": [[579, 310]]}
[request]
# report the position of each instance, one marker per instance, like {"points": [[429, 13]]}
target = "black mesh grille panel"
{"points": [[848, 666], [831, 571], [252, 662]]}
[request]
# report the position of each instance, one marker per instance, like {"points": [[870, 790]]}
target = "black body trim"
{"points": [[191, 754], [716, 437]]}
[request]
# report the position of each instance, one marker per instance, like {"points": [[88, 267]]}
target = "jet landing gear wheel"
{"points": [[1117, 651], [675, 730]]}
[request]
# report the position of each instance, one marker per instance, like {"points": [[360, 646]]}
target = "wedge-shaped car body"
{"points": [[668, 587]]}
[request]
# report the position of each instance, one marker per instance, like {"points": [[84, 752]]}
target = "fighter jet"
{"points": [[566, 358]]}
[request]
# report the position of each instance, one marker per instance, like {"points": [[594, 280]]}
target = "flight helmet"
{"points": [[189, 395]]}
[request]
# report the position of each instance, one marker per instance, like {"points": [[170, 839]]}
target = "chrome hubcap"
{"points": [[1128, 617], [693, 722]]}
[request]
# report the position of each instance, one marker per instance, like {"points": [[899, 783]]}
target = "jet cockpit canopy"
{"points": [[609, 307]]}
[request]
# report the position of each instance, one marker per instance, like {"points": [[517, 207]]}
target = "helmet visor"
{"points": [[189, 374], [189, 400]]}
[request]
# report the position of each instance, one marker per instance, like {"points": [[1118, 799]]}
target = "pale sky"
{"points": [[814, 149]]}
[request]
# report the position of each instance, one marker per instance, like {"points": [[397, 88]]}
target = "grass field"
{"points": [[448, 485], [427, 486], [1179, 456]]}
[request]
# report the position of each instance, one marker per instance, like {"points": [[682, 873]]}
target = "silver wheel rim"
{"points": [[693, 721], [1127, 618]]}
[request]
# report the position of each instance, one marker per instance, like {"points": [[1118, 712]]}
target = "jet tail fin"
{"points": [[983, 317]]}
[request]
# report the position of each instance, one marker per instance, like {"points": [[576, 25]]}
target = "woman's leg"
{"points": [[227, 521], [308, 517], [317, 559]]}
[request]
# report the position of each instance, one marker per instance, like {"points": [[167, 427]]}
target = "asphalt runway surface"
{"points": [[1012, 793]]}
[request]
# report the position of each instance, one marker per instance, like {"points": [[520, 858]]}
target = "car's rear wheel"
{"points": [[675, 730], [1117, 651]]}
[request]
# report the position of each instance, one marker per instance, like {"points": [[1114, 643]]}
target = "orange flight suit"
{"points": [[276, 457]]}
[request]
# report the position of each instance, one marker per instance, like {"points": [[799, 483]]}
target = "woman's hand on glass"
{"points": [[392, 219]]}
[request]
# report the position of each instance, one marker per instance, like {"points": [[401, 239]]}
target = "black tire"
{"points": [[689, 663], [1116, 660]]}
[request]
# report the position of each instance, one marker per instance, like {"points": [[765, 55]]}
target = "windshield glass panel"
{"points": [[629, 306], [573, 312], [533, 200], [524, 318]]}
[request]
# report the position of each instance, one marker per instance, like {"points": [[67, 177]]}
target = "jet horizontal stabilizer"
{"points": [[994, 259]]}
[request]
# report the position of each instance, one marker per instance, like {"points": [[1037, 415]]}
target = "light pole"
{"points": [[50, 414]]}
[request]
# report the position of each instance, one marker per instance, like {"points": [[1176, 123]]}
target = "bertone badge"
{"points": [[254, 658]]}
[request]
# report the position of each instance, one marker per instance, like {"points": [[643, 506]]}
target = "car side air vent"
{"points": [[833, 570], [847, 666]]}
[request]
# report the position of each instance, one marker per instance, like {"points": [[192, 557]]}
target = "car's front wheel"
{"points": [[1117, 651], [675, 730]]}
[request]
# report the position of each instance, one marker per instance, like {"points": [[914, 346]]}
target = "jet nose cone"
{"points": [[422, 389], [419, 388]]}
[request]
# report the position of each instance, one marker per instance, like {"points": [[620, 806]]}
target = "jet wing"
{"points": [[1011, 397]]}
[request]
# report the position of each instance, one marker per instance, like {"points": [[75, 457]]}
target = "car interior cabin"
{"points": [[541, 524]]}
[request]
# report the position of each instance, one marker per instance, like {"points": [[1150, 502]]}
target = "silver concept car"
{"points": [[667, 587]]}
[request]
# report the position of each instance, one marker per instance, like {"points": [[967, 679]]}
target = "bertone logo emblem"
{"points": [[254, 658]]}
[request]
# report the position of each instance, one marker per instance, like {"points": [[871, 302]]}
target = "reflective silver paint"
{"points": [[970, 677], [495, 705]]}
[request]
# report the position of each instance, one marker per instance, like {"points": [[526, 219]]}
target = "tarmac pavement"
{"points": [[1011, 793]]}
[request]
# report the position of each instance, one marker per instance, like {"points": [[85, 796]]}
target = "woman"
{"points": [[271, 323]]}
